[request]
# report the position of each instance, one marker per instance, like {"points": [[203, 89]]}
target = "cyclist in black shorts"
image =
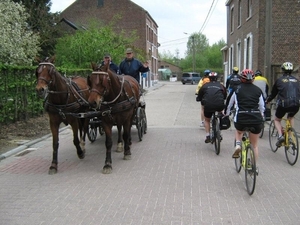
{"points": [[250, 106], [287, 90]]}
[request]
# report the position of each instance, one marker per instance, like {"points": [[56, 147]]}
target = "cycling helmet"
{"points": [[258, 73], [206, 72], [287, 66], [213, 76], [247, 76], [235, 69]]}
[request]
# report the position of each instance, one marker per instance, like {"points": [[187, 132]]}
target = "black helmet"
{"points": [[258, 73]]}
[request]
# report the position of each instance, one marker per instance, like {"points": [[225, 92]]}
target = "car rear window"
{"points": [[196, 75], [186, 75]]}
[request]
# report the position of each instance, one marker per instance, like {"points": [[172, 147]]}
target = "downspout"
{"points": [[268, 42]]}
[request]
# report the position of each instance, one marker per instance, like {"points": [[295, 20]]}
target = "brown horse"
{"points": [[116, 97], [63, 98]]}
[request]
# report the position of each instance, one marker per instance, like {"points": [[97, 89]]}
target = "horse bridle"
{"points": [[42, 78], [103, 94]]}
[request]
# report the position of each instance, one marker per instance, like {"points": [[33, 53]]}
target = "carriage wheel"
{"points": [[144, 120], [92, 132], [101, 131], [139, 123]]}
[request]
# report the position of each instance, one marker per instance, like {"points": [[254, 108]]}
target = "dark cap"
{"points": [[129, 50], [107, 56]]}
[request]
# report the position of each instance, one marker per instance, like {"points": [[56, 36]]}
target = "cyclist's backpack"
{"points": [[213, 99]]}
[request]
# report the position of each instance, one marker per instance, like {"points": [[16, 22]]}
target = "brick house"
{"points": [[133, 18], [176, 70], [262, 35]]}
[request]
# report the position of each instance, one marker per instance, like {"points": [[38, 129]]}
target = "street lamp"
{"points": [[193, 41]]}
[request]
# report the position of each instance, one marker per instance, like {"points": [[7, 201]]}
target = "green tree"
{"points": [[19, 45], [214, 55], [78, 50], [42, 22]]}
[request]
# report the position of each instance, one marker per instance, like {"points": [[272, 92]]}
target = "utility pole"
{"points": [[193, 39]]}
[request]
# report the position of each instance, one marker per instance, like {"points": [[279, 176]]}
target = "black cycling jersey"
{"points": [[287, 90]]}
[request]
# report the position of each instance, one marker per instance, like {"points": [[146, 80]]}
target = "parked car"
{"points": [[190, 77]]}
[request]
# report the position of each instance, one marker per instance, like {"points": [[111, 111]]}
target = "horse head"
{"points": [[44, 75], [100, 85]]}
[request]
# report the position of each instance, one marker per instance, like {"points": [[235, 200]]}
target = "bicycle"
{"points": [[290, 144], [215, 133], [247, 161]]}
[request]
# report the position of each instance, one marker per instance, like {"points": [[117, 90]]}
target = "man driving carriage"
{"points": [[132, 66]]}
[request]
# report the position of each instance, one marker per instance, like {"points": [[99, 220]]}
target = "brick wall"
{"points": [[271, 46]]}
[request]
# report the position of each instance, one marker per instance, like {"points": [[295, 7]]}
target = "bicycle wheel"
{"points": [[273, 136], [291, 151], [261, 134], [217, 135], [250, 170], [238, 161]]}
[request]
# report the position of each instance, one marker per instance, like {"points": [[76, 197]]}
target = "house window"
{"points": [[240, 13], [248, 52], [249, 9], [231, 20], [100, 3]]}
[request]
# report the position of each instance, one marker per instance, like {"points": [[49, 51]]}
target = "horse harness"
{"points": [[72, 88], [112, 107]]}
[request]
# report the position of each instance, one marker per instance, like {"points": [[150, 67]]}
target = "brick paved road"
{"points": [[173, 177]]}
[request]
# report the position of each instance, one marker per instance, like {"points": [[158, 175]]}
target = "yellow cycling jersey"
{"points": [[201, 83]]}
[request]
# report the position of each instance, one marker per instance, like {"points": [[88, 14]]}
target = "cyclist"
{"points": [[212, 96], [287, 90], [250, 106], [261, 82], [232, 83], [203, 81]]}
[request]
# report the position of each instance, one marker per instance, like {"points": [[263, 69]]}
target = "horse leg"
{"points": [[74, 124], [54, 126], [107, 169], [83, 129], [126, 137], [120, 146]]}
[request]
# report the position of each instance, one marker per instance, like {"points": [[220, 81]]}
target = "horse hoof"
{"points": [[81, 156], [107, 169], [127, 157], [119, 149], [52, 170]]}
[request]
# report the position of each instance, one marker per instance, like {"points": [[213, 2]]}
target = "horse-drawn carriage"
{"points": [[114, 99], [140, 121]]}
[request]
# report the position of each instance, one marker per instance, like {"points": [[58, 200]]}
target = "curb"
{"points": [[27, 145]]}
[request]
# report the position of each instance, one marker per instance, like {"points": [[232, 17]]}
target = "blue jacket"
{"points": [[133, 68], [112, 67]]}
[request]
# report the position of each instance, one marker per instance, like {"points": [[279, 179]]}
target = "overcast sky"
{"points": [[176, 17]]}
